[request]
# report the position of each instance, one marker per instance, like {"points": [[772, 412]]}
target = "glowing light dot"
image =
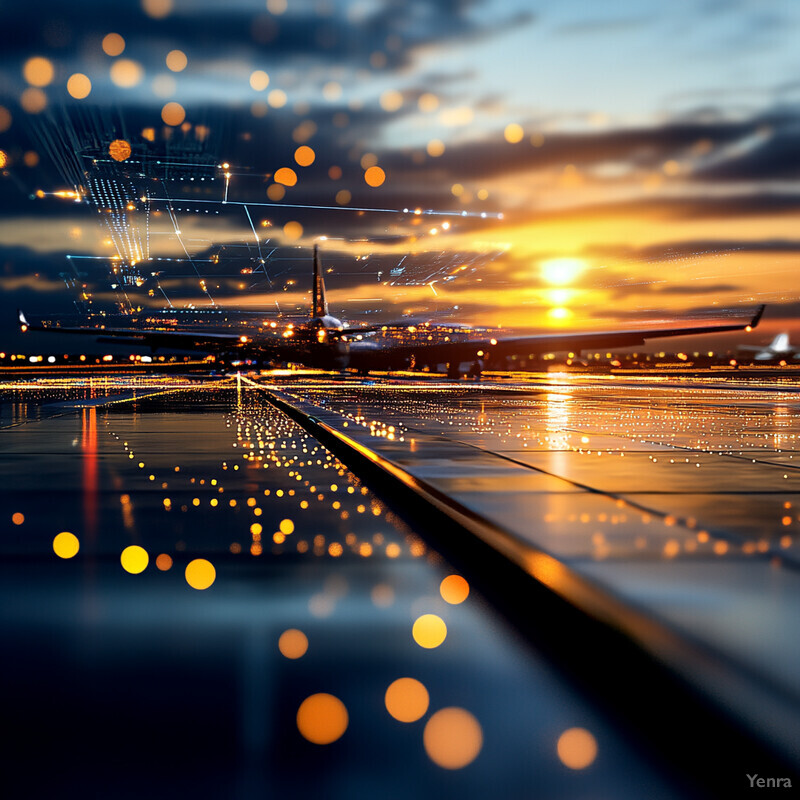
{"points": [[285, 176], [407, 700], [18, 518], [277, 7], [134, 559], [513, 133], [576, 748], [286, 526], [435, 148], [454, 589], [276, 192], [304, 156], [33, 100], [292, 231], [457, 190], [374, 176], [259, 80], [452, 738], [429, 631], [5, 119], [164, 562], [126, 73], [293, 643], [158, 9], [343, 197], [66, 545], [176, 60], [277, 98], [332, 91], [256, 529], [79, 86], [38, 71], [173, 113], [200, 574], [322, 718], [428, 102], [391, 100], [113, 44]]}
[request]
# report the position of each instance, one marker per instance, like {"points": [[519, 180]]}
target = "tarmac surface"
{"points": [[246, 645]]}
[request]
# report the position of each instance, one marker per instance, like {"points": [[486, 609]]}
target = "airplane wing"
{"points": [[485, 347], [204, 341]]}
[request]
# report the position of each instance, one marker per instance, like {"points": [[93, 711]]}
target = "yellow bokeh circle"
{"points": [[134, 559], [66, 545], [429, 631], [200, 574]]}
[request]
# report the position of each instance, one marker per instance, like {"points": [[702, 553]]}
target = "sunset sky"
{"points": [[636, 161]]}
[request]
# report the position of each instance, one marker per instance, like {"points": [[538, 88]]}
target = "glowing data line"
{"points": [[416, 212]]}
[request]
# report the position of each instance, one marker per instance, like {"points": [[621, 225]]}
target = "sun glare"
{"points": [[560, 271]]}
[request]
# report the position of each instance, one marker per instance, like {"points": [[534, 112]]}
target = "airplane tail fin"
{"points": [[319, 305], [780, 344]]}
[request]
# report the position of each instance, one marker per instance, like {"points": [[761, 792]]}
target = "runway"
{"points": [[654, 523]]}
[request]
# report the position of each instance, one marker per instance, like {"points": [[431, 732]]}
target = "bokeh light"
{"points": [[454, 589], [292, 231], [577, 748], [126, 73], [113, 44], [452, 738], [285, 176], [200, 574], [38, 71], [429, 631], [33, 100], [293, 643], [304, 156], [513, 133], [79, 86], [157, 9], [374, 176], [176, 60], [259, 80], [322, 718], [173, 113], [164, 562], [407, 699], [134, 559], [66, 545]]}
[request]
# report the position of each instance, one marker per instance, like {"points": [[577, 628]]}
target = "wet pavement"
{"points": [[682, 500], [246, 644]]}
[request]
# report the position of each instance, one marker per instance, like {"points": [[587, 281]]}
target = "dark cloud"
{"points": [[307, 32]]}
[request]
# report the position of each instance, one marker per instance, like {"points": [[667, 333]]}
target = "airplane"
{"points": [[322, 341], [779, 347]]}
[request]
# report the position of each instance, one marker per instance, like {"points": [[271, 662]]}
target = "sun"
{"points": [[560, 271]]}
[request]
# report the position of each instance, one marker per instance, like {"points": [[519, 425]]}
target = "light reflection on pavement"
{"points": [[239, 605]]}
